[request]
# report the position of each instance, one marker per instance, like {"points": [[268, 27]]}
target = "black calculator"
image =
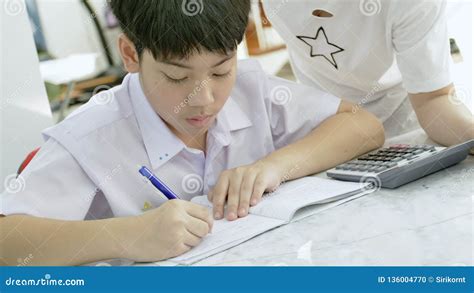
{"points": [[399, 164]]}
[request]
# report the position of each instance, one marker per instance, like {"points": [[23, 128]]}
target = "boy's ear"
{"points": [[129, 54]]}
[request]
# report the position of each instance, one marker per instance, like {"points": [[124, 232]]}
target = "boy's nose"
{"points": [[201, 96]]}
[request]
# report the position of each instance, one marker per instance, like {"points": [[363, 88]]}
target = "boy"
{"points": [[187, 113]]}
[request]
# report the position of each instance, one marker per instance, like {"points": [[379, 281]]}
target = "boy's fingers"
{"points": [[201, 213], [191, 240], [197, 227], [182, 248], [209, 195], [233, 196], [219, 194], [258, 190], [245, 193]]}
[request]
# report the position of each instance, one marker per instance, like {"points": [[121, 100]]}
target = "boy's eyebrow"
{"points": [[190, 67]]}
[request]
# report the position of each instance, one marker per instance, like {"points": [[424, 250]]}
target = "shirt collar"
{"points": [[160, 143]]}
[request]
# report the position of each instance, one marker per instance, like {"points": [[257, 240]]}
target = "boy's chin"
{"points": [[193, 130]]}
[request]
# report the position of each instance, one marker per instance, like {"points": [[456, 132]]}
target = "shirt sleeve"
{"points": [[53, 185], [420, 39], [294, 110]]}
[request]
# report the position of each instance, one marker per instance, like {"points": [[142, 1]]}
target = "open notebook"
{"points": [[292, 201]]}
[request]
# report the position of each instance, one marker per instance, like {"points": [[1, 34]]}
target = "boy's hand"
{"points": [[170, 230], [243, 187]]}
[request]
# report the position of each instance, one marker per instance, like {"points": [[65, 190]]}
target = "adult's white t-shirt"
{"points": [[370, 52]]}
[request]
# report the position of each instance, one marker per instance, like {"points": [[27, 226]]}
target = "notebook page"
{"points": [[317, 208], [291, 196]]}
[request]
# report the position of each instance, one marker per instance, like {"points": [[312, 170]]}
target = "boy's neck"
{"points": [[198, 142]]}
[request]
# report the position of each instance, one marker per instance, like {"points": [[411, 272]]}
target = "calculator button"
{"points": [[352, 168], [363, 168], [342, 167]]}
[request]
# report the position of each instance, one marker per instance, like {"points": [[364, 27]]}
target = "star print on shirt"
{"points": [[321, 46]]}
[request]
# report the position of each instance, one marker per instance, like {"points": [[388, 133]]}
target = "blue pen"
{"points": [[158, 183]]}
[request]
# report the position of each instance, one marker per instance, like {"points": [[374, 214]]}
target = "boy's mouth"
{"points": [[199, 121]]}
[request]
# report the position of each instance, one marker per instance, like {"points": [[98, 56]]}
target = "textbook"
{"points": [[292, 201]]}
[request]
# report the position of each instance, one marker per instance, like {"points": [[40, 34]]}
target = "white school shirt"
{"points": [[370, 52], [88, 167]]}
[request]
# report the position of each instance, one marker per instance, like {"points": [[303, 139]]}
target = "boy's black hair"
{"points": [[178, 28]]}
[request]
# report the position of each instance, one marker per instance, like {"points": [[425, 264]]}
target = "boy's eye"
{"points": [[175, 80], [222, 75]]}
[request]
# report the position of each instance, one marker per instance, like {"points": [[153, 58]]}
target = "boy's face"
{"points": [[187, 93]]}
